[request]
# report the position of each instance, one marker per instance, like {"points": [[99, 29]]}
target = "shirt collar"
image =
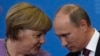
{"points": [[93, 42]]}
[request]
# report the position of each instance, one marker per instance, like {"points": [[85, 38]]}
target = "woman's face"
{"points": [[29, 41]]}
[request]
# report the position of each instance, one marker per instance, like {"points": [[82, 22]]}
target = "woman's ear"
{"points": [[20, 34]]}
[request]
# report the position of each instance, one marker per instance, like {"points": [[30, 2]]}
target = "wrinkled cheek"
{"points": [[26, 47], [34, 51]]}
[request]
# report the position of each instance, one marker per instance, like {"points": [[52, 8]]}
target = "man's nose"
{"points": [[64, 41]]}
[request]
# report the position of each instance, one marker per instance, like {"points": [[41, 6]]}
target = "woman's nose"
{"points": [[42, 40]]}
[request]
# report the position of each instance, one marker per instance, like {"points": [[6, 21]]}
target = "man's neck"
{"points": [[89, 35]]}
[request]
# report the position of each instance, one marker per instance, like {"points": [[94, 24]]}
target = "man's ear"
{"points": [[83, 25]]}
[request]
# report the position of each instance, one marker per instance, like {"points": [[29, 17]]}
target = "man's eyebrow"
{"points": [[63, 34]]}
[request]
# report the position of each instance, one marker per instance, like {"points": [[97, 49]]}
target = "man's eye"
{"points": [[65, 35]]}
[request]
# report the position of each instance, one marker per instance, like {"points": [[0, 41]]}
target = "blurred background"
{"points": [[50, 7]]}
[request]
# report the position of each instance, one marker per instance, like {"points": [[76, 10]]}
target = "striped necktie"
{"points": [[86, 52]]}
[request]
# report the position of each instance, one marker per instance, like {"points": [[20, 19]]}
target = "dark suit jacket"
{"points": [[96, 54]]}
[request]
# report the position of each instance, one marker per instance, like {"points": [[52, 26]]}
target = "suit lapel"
{"points": [[98, 48], [73, 54]]}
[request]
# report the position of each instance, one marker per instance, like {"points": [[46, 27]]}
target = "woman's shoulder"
{"points": [[1, 42], [2, 47]]}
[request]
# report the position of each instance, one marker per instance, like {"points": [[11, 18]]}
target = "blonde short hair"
{"points": [[23, 15]]}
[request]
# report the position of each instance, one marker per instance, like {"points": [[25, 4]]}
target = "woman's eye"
{"points": [[39, 35]]}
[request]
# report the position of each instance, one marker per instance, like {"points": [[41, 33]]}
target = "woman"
{"points": [[26, 28]]}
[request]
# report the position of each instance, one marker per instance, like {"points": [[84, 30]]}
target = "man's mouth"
{"points": [[70, 47]]}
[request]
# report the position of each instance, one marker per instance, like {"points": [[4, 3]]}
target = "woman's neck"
{"points": [[11, 48]]}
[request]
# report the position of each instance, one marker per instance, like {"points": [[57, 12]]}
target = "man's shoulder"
{"points": [[73, 54]]}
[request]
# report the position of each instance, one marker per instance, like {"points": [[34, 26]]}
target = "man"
{"points": [[72, 25]]}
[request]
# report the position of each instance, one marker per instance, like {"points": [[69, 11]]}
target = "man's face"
{"points": [[29, 41], [71, 36]]}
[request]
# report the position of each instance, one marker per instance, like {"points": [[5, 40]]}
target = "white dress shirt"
{"points": [[92, 44]]}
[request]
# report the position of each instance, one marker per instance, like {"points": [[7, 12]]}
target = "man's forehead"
{"points": [[62, 18]]}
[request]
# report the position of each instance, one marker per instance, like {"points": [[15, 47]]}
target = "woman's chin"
{"points": [[34, 52]]}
